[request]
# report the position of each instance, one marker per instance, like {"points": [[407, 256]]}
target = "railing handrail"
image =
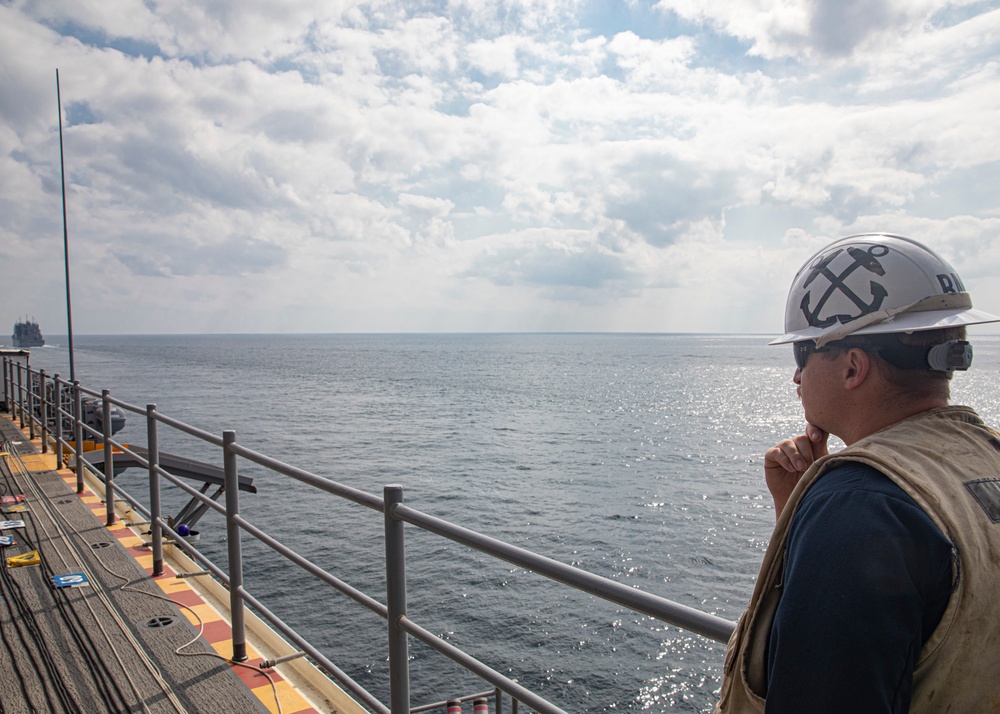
{"points": [[348, 493], [702, 623]]}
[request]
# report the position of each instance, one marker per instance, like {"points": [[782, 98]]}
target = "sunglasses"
{"points": [[803, 349]]}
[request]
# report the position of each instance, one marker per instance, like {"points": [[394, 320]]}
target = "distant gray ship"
{"points": [[27, 334]]}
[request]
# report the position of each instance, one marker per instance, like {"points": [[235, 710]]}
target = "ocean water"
{"points": [[636, 457]]}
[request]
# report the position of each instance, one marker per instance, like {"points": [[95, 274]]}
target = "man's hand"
{"points": [[785, 463]]}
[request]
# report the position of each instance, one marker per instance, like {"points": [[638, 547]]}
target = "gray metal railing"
{"points": [[30, 386]]}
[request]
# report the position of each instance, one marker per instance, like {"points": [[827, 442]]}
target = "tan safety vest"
{"points": [[948, 461]]}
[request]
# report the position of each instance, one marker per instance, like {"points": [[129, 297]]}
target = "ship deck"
{"points": [[126, 641]]}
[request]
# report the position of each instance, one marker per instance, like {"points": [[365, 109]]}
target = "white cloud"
{"points": [[495, 57], [438, 207], [651, 62], [773, 27], [825, 29]]}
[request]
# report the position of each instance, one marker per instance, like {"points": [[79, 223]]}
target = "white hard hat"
{"points": [[875, 283]]}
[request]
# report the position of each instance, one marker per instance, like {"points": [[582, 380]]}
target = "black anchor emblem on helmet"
{"points": [[867, 259]]}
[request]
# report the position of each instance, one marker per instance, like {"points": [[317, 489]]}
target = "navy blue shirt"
{"points": [[867, 577]]}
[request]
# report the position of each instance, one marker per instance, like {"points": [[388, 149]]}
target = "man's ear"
{"points": [[857, 367]]}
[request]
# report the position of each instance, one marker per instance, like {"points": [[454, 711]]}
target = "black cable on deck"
{"points": [[7, 643], [89, 652], [25, 623], [28, 620]]}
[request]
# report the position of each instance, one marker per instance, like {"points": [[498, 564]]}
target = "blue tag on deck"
{"points": [[72, 580]]}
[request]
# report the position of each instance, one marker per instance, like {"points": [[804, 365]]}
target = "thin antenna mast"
{"points": [[62, 171]]}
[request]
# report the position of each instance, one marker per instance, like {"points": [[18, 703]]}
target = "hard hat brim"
{"points": [[905, 322]]}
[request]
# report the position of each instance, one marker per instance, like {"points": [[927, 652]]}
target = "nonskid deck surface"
{"points": [[111, 645]]}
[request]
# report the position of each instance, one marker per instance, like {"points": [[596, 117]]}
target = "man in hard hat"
{"points": [[878, 590]]}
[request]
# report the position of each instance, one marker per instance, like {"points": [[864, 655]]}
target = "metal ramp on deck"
{"points": [[181, 466]]}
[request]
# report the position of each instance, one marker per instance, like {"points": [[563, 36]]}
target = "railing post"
{"points": [[235, 550], [57, 403], [109, 459], [78, 433], [155, 529], [31, 406], [395, 585], [20, 395], [8, 385], [43, 411]]}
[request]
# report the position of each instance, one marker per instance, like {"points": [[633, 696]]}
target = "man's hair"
{"points": [[909, 382]]}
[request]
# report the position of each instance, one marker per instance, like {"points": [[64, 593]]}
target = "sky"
{"points": [[313, 166]]}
